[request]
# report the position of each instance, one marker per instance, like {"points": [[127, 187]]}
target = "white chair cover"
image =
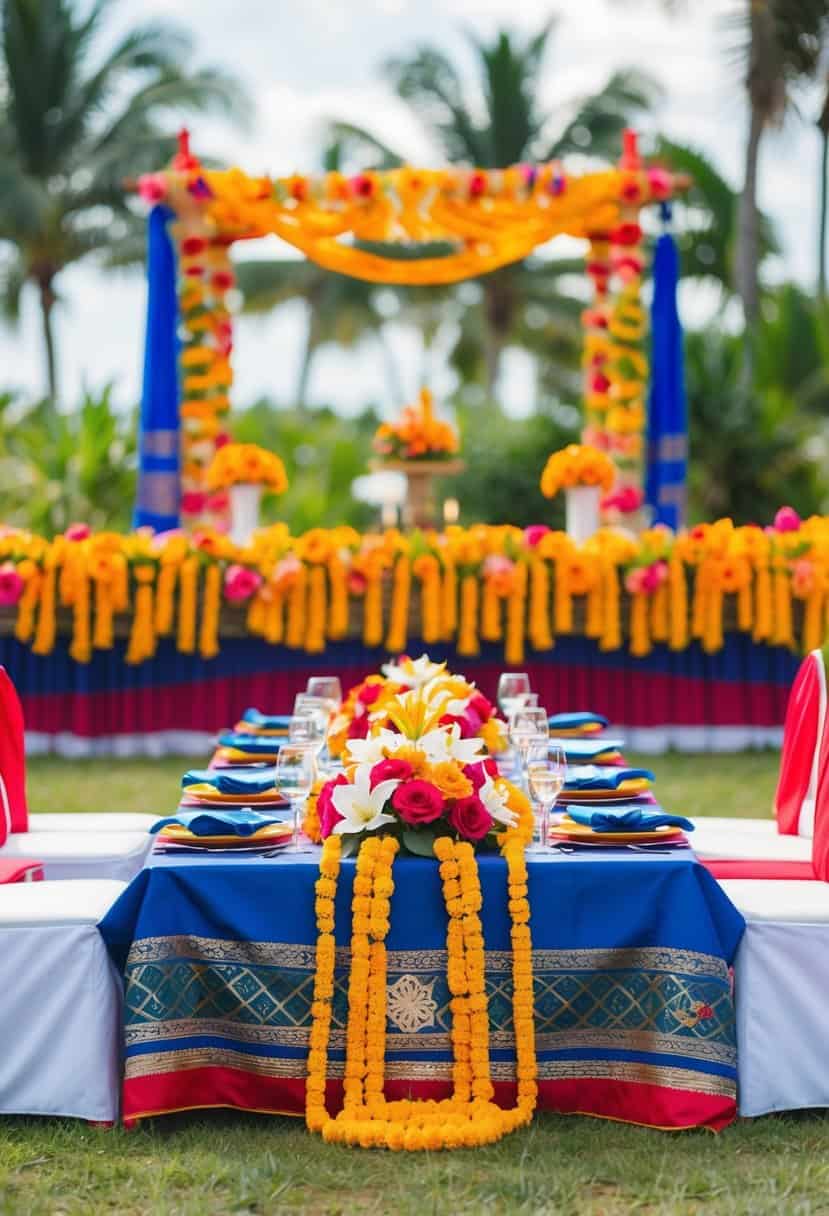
{"points": [[60, 1014], [781, 982], [118, 855], [747, 839], [91, 821]]}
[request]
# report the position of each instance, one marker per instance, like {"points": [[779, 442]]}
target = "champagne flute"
{"points": [[546, 773], [296, 770], [512, 687], [528, 727], [327, 688]]}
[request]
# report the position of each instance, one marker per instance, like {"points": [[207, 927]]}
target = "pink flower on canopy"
{"points": [[328, 814], [152, 187], [470, 818], [221, 439], [287, 567], [655, 576], [218, 502], [241, 582], [160, 539], [659, 181], [78, 532], [193, 502], [786, 520], [497, 563], [803, 575], [389, 770], [625, 499], [11, 584], [534, 533]]}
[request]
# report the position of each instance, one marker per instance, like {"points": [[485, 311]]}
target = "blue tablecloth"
{"points": [[634, 1015]]}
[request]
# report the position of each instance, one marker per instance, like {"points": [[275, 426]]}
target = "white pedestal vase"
{"points": [[582, 512], [244, 511]]}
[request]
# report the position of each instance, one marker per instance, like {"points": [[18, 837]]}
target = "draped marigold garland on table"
{"points": [[485, 583]]}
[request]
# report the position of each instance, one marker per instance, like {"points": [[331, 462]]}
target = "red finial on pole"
{"points": [[630, 150], [184, 159]]}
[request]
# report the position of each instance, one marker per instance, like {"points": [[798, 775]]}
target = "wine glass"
{"points": [[512, 686], [328, 689], [546, 773], [296, 769], [307, 729], [528, 727]]}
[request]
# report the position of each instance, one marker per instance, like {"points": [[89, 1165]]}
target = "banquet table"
{"points": [[633, 1000]]}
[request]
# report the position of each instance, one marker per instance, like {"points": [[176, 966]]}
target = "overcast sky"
{"points": [[305, 60]]}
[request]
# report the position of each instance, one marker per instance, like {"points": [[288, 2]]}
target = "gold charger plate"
{"points": [[176, 833], [571, 830]]}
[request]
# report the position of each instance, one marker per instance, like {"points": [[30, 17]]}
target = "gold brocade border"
{"points": [[301, 957], [500, 1040], [158, 1063]]}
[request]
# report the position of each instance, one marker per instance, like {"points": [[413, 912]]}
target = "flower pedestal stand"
{"points": [[420, 510], [245, 498], [582, 512]]}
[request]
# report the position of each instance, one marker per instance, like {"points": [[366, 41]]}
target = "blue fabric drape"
{"points": [[665, 489], [157, 500]]}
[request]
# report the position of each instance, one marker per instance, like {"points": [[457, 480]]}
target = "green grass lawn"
{"points": [[219, 1162]]}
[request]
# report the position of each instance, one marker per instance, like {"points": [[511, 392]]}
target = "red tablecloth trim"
{"points": [[730, 868], [623, 1101]]}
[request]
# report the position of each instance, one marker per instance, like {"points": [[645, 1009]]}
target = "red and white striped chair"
{"points": [[67, 845]]}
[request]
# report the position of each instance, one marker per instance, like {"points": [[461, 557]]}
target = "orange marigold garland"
{"points": [[469, 1117]]}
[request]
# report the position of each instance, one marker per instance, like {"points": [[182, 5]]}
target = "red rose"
{"points": [[328, 814], [369, 694], [389, 770], [480, 770], [470, 818], [467, 723], [359, 727], [418, 802]]}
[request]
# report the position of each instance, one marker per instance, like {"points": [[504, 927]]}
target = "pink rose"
{"points": [[480, 706], [152, 187], [241, 582], [78, 532], [534, 533], [470, 818], [467, 723], [11, 584], [418, 802], [390, 770], [635, 580], [369, 694], [328, 814], [480, 771], [786, 520]]}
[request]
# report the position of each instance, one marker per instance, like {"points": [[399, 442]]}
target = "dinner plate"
{"points": [[269, 803], [272, 833], [204, 793], [622, 792], [580, 832]]}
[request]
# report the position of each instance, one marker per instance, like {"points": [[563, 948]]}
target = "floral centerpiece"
{"points": [[245, 470], [426, 789], [584, 473], [417, 434], [366, 706]]}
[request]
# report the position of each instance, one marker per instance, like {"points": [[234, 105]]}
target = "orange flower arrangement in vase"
{"points": [[584, 473], [244, 470], [423, 447]]}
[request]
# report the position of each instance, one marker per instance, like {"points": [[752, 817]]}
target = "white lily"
{"points": [[374, 747], [446, 743], [495, 801], [361, 806], [415, 673], [457, 706]]}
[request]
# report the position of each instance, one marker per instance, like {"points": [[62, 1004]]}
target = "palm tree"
{"points": [[76, 116], [780, 45], [505, 123]]}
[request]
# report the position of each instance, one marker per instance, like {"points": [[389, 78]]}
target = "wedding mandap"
{"points": [[147, 642]]}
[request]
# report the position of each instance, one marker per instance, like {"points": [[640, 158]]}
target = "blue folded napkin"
{"points": [[242, 822], [266, 721], [621, 819], [601, 777], [254, 745], [231, 781], [584, 750], [577, 721]]}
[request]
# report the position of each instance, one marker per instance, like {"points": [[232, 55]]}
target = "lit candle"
{"points": [[451, 510]]}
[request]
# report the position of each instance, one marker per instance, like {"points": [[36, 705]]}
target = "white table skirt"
{"points": [[60, 1023]]}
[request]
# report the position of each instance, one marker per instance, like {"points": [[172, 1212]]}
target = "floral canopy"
{"points": [[401, 226]]}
